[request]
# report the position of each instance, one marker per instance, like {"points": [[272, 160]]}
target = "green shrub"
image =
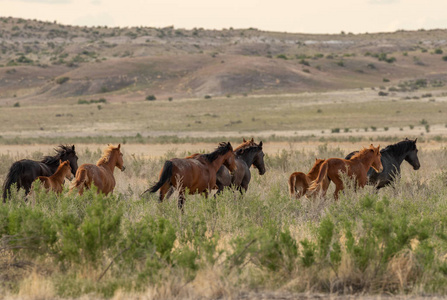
{"points": [[304, 62], [282, 56], [151, 98], [62, 80]]}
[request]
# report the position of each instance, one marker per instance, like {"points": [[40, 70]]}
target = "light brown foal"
{"points": [[299, 182], [357, 167], [55, 182]]}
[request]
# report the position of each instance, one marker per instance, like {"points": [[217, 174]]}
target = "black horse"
{"points": [[245, 158], [25, 171], [392, 158]]}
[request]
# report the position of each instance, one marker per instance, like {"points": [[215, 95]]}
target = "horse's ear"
{"points": [[243, 139], [73, 148], [119, 146], [60, 161], [252, 140], [415, 140], [260, 144], [378, 148]]}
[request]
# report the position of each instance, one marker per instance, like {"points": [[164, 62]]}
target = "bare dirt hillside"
{"points": [[44, 61]]}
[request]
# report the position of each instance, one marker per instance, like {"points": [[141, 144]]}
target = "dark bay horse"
{"points": [[55, 182], [197, 173], [247, 154], [25, 171], [392, 158], [356, 167], [299, 182], [101, 174]]}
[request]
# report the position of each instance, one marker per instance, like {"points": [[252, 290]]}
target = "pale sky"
{"points": [[313, 16]]}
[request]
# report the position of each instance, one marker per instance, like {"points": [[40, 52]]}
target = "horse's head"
{"points": [[230, 158], [66, 169], [319, 161], [412, 155], [377, 161], [119, 158], [258, 161], [68, 153]]}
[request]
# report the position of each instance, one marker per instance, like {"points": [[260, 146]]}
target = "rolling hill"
{"points": [[42, 62]]}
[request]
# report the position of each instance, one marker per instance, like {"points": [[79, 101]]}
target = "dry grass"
{"points": [[354, 113]]}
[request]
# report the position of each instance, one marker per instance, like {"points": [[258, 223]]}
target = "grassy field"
{"points": [[305, 96], [231, 246], [351, 113]]}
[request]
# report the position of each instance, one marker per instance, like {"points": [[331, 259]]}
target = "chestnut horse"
{"points": [[197, 174], [246, 154], [101, 174], [55, 182], [356, 167], [299, 182]]}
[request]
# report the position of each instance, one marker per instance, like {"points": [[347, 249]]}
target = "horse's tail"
{"points": [[43, 179], [317, 184], [80, 180], [13, 177], [166, 174], [292, 181]]}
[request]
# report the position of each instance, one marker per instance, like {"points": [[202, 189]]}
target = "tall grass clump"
{"points": [[391, 241]]}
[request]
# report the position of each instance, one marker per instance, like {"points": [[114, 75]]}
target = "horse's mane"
{"points": [[252, 147], [361, 153], [61, 150], [316, 165], [245, 144], [63, 165], [401, 147], [106, 155], [221, 150]]}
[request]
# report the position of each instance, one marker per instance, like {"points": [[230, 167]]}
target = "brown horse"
{"points": [[299, 182], [198, 174], [101, 174], [356, 167], [56, 181]]}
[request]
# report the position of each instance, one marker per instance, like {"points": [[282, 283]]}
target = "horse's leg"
{"points": [[301, 188], [338, 186], [169, 193], [164, 190], [220, 188], [242, 188], [181, 200]]}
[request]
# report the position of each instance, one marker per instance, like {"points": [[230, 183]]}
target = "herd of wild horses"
{"points": [[225, 167]]}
